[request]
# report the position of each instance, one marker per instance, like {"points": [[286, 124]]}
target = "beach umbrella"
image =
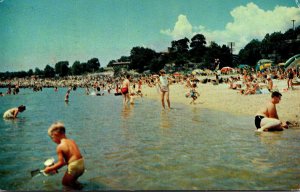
{"points": [[176, 74], [226, 69], [263, 64], [292, 62]]}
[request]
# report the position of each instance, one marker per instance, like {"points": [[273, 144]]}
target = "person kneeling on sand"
{"points": [[67, 153], [267, 118]]}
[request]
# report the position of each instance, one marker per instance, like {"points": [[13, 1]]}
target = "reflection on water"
{"points": [[141, 146], [126, 111], [164, 119]]}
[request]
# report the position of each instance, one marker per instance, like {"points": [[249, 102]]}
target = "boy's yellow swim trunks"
{"points": [[76, 168]]}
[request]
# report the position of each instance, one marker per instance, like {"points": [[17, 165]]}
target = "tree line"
{"points": [[60, 69], [277, 46]]}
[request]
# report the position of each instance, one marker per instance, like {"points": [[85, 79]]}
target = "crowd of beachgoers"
{"points": [[246, 81]]}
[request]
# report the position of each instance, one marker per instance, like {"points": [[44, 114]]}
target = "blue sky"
{"points": [[35, 33]]}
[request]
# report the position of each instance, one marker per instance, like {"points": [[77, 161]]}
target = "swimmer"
{"points": [[68, 154], [13, 112], [67, 97]]}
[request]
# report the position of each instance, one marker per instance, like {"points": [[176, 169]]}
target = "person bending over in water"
{"points": [[13, 112], [68, 153], [267, 118]]}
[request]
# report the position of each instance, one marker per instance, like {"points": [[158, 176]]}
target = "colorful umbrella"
{"points": [[177, 74], [226, 69]]}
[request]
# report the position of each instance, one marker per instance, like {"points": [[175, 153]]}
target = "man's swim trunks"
{"points": [[164, 89], [76, 168], [124, 90], [258, 119]]}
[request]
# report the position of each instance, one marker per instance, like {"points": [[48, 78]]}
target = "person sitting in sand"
{"points": [[254, 89], [267, 119], [13, 112], [67, 153]]}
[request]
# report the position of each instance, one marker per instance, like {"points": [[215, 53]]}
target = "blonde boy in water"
{"points": [[67, 153]]}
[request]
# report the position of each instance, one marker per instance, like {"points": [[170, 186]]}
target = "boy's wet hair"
{"points": [[57, 127], [276, 94]]}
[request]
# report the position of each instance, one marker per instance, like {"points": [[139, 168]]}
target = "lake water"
{"points": [[143, 147]]}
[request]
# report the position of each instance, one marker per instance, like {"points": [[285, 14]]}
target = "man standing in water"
{"points": [[164, 88], [125, 89], [267, 118]]}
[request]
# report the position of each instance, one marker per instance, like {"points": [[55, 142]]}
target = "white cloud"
{"points": [[182, 28], [249, 22]]}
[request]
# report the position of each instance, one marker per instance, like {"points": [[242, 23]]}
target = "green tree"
{"points": [[251, 53], [77, 68], [198, 48], [30, 72], [124, 59], [110, 63], [38, 72], [84, 68], [213, 52], [61, 68], [93, 65], [141, 58], [49, 71], [178, 52]]}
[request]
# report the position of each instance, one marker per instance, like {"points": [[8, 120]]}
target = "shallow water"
{"points": [[143, 147]]}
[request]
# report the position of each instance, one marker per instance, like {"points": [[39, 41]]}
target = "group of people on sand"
{"points": [[249, 83]]}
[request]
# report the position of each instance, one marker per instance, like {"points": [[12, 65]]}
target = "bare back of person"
{"points": [[268, 111], [266, 118], [70, 150], [125, 84]]}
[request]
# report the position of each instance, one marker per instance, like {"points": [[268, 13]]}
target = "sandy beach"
{"points": [[221, 98]]}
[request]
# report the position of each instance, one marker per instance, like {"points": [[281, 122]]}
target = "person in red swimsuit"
{"points": [[125, 89]]}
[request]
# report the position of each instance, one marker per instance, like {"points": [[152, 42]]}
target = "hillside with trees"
{"points": [[196, 51]]}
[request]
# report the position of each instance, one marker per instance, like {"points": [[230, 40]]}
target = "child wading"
{"points": [[67, 153], [194, 94]]}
